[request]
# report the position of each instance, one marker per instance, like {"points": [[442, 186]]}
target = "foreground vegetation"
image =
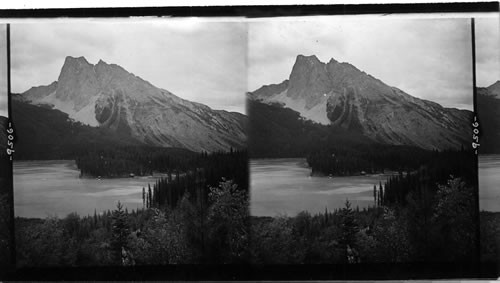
{"points": [[199, 215], [426, 213], [185, 234], [441, 228], [222, 233]]}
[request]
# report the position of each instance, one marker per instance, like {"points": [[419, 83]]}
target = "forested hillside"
{"points": [[488, 109], [200, 215], [277, 132], [44, 133]]}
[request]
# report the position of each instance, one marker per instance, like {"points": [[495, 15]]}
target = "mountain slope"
{"points": [[108, 96], [43, 133], [277, 132], [495, 88], [339, 94], [488, 109]]}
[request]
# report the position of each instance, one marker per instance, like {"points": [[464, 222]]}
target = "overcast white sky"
{"points": [[427, 58], [3, 71], [196, 60], [487, 51], [207, 61]]}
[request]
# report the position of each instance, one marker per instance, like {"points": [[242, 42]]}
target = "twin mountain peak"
{"points": [[106, 95], [332, 93], [341, 95]]}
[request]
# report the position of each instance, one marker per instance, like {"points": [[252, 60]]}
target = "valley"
{"points": [[338, 154], [102, 152]]}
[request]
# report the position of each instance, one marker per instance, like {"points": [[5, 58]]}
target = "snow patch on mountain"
{"points": [[85, 115], [341, 95], [108, 96], [317, 113]]}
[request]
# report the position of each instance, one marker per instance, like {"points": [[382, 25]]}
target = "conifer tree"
{"points": [[381, 194], [120, 231], [143, 197], [349, 228], [150, 197]]}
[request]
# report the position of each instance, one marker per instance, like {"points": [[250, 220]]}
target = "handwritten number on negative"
{"points": [[475, 134], [10, 141]]}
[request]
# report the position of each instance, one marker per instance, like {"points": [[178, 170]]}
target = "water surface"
{"points": [[284, 186], [489, 182], [53, 188]]}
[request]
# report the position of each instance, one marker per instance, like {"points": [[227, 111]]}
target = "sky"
{"points": [[487, 50], [206, 61], [3, 71], [202, 61], [427, 58]]}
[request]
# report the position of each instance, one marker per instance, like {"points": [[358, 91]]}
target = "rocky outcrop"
{"points": [[339, 94], [106, 95]]}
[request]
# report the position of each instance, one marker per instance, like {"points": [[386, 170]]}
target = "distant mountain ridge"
{"points": [[339, 94], [488, 109], [106, 95], [494, 88]]}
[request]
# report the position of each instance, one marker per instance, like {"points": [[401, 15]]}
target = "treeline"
{"points": [[206, 172], [199, 215], [277, 132], [49, 134], [369, 158], [184, 234], [425, 181], [221, 233], [385, 234], [119, 161]]}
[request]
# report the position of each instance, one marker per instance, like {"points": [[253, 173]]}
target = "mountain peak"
{"points": [[305, 58], [308, 81], [332, 61], [108, 96], [71, 59], [495, 88], [72, 64], [341, 95]]}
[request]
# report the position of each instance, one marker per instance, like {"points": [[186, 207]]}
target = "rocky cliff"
{"points": [[339, 94], [106, 95]]}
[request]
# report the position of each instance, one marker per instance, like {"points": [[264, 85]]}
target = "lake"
{"points": [[285, 187], [278, 186], [489, 182], [53, 188]]}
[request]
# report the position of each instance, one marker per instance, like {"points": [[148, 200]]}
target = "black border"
{"points": [[476, 157], [260, 11], [407, 271], [473, 269], [10, 166]]}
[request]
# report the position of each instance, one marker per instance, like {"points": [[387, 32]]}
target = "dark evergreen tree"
{"points": [[349, 228], [150, 197], [120, 232], [144, 197]]}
